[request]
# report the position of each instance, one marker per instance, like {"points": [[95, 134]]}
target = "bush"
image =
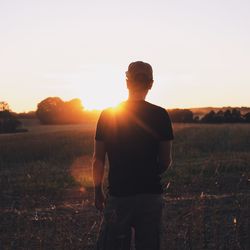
{"points": [[8, 123]]}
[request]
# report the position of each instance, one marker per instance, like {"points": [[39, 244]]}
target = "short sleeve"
{"points": [[100, 128], [165, 127]]}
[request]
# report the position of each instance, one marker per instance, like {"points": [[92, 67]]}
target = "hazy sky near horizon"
{"points": [[199, 50]]}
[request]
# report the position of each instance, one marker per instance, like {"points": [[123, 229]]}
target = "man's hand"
{"points": [[99, 199]]}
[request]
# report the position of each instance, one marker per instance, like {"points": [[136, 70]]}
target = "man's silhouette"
{"points": [[136, 136]]}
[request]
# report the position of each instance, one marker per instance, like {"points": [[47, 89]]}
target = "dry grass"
{"points": [[46, 194]]}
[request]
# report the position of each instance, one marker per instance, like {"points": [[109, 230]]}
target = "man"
{"points": [[136, 136]]}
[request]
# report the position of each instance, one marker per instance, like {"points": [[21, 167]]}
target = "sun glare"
{"points": [[101, 88], [99, 104]]}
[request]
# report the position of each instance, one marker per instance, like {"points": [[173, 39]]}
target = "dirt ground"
{"points": [[71, 222], [46, 195]]}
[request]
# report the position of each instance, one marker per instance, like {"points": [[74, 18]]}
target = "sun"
{"points": [[102, 89], [102, 101]]}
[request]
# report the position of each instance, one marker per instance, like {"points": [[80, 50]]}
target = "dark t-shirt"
{"points": [[132, 133]]}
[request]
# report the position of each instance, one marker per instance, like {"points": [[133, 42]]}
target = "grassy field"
{"points": [[47, 198]]}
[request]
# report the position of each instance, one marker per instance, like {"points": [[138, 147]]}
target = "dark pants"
{"points": [[141, 212]]}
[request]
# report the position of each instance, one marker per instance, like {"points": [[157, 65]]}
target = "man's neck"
{"points": [[137, 96]]}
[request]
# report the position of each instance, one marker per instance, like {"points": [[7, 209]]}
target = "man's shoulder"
{"points": [[110, 112], [122, 107], [156, 108], [105, 111]]}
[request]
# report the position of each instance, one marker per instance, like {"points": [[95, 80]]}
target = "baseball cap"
{"points": [[140, 72]]}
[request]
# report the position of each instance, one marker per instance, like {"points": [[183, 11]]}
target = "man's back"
{"points": [[132, 133], [137, 137]]}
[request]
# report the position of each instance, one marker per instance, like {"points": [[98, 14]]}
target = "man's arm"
{"points": [[165, 155], [98, 173]]}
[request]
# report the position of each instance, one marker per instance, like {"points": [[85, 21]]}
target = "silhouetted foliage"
{"points": [[182, 115], [247, 117], [210, 117], [8, 123], [236, 116], [228, 116], [53, 110], [4, 106], [26, 115]]}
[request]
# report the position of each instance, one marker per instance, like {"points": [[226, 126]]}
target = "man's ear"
{"points": [[151, 84], [128, 83]]}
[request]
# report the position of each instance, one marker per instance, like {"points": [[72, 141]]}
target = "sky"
{"points": [[199, 51]]}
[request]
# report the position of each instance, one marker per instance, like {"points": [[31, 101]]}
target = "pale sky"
{"points": [[199, 50]]}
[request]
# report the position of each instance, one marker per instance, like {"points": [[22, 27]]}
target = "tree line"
{"points": [[227, 116], [53, 110]]}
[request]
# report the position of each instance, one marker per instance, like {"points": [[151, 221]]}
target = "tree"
{"points": [[236, 116], [73, 110], [4, 106], [53, 110], [181, 115], [49, 109], [8, 123], [223, 117], [227, 116], [209, 117], [247, 117]]}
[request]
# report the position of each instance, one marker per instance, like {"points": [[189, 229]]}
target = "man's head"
{"points": [[139, 76]]}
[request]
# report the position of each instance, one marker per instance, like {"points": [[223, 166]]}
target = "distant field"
{"points": [[46, 187]]}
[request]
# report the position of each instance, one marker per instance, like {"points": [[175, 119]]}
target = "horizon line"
{"points": [[190, 108]]}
